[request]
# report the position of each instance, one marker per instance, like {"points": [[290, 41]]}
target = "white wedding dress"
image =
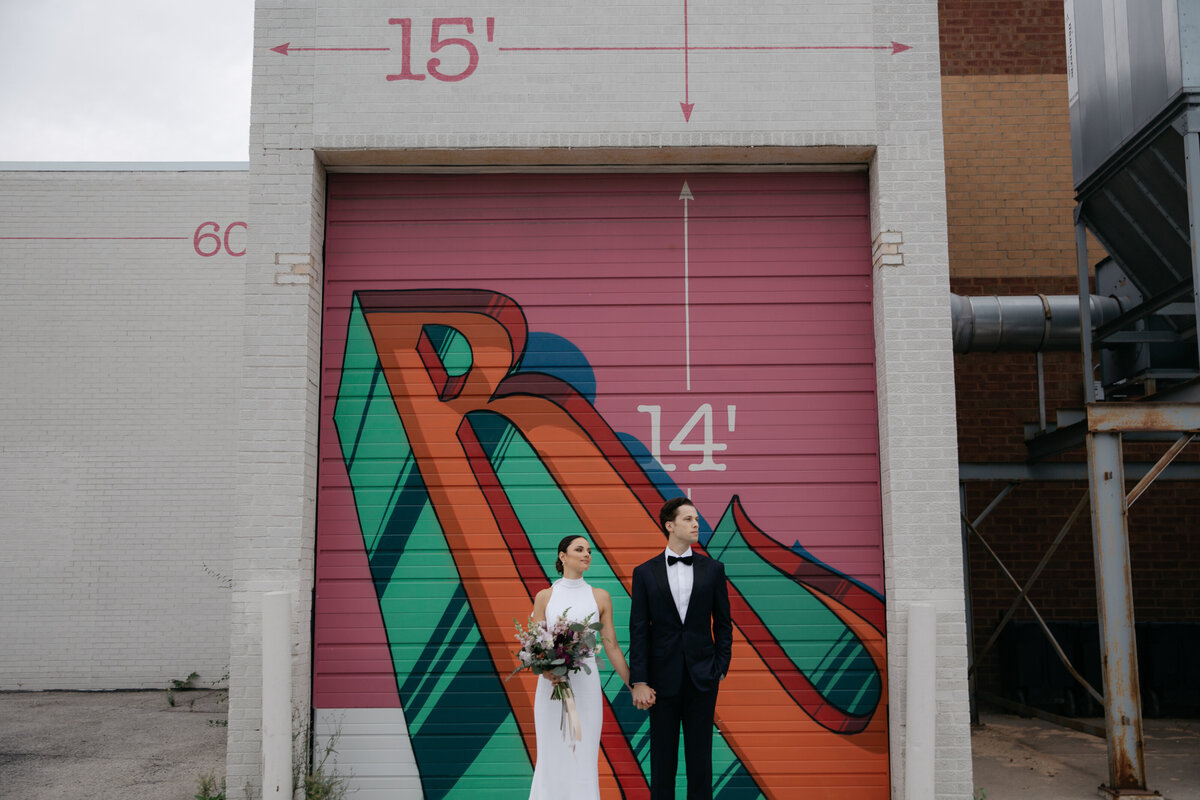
{"points": [[560, 772]]}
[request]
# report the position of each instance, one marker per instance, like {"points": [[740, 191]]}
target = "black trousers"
{"points": [[692, 711]]}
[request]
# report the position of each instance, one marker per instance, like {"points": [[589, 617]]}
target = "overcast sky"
{"points": [[125, 80]]}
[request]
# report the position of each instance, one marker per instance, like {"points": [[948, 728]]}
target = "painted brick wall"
{"points": [[857, 107], [275, 504], [118, 426], [918, 463], [522, 98]]}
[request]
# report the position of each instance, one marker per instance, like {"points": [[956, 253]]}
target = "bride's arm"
{"points": [[608, 635], [539, 615], [539, 606]]}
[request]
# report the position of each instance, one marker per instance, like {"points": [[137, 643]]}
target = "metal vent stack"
{"points": [[1133, 78]]}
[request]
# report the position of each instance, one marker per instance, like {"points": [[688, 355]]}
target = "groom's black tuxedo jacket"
{"points": [[661, 646]]}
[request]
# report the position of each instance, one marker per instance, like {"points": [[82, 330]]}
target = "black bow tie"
{"points": [[685, 559]]}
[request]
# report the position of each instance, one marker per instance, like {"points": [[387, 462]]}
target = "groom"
{"points": [[680, 645]]}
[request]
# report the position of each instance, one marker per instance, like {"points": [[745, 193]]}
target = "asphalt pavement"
{"points": [[128, 745]]}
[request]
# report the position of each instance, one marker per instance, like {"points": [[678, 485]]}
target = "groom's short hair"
{"points": [[670, 509]]}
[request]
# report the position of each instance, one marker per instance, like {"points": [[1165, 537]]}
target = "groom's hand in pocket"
{"points": [[643, 696]]}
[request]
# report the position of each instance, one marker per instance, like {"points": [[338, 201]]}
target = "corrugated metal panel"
{"points": [[511, 358], [1127, 62]]}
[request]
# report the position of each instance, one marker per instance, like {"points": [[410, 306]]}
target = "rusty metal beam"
{"points": [[976, 472], [1164, 462], [1114, 589], [1143, 417], [1024, 593]]}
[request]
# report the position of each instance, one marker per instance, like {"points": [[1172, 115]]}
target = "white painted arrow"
{"points": [[686, 195]]}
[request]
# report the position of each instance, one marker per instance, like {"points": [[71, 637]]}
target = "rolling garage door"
{"points": [[511, 358]]}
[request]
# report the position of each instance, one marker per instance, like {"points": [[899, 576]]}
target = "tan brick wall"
{"points": [[1008, 176]]}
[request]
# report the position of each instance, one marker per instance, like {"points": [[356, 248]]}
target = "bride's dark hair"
{"points": [[562, 548]]}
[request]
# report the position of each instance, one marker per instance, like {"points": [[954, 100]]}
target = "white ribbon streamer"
{"points": [[569, 722]]}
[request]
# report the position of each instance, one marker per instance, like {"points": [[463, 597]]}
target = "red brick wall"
{"points": [[997, 392], [1002, 37]]}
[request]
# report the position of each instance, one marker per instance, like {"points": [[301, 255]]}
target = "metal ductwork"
{"points": [[1024, 324]]}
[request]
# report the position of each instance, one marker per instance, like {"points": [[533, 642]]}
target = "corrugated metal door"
{"points": [[511, 358]]}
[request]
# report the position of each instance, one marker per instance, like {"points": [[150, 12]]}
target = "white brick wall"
{"points": [[918, 446], [337, 106], [118, 357], [274, 538]]}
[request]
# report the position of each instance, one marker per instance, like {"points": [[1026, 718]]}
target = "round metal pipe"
{"points": [[1027, 324]]}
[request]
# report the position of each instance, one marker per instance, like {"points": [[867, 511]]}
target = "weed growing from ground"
{"points": [[208, 788]]}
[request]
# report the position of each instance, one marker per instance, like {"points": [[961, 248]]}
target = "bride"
{"points": [[560, 773]]}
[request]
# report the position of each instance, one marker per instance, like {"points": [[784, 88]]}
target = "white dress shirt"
{"points": [[680, 576]]}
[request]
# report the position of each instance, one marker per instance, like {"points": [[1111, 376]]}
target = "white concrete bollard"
{"points": [[277, 696], [921, 702]]}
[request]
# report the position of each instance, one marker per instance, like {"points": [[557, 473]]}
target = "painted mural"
{"points": [[460, 444]]}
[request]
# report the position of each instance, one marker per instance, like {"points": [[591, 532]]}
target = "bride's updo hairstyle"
{"points": [[562, 548]]}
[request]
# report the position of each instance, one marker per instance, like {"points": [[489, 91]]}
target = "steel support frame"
{"points": [[1114, 585], [1106, 488], [969, 527], [1023, 595], [1105, 424], [1114, 591]]}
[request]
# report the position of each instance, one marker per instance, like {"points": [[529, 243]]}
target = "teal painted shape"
{"points": [[464, 735], [821, 646], [547, 516], [452, 349]]}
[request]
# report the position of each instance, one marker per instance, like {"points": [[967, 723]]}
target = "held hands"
{"points": [[643, 696]]}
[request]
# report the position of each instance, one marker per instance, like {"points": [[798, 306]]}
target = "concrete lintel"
{"points": [[483, 159]]}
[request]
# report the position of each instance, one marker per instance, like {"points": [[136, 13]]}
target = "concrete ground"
{"points": [[1017, 758], [75, 745], [135, 745]]}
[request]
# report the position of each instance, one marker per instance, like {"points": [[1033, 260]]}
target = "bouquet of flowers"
{"points": [[559, 649]]}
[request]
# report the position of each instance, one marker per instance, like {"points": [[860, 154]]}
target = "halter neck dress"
{"points": [[560, 772]]}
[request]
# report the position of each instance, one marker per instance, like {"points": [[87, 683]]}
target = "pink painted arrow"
{"points": [[286, 47], [894, 47], [685, 105]]}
